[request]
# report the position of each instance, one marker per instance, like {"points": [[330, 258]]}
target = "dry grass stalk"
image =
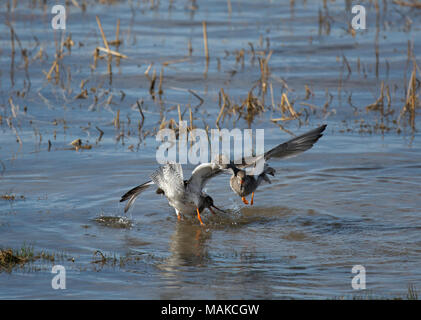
{"points": [[117, 41], [282, 127], [139, 106], [221, 111], [112, 52], [152, 85], [69, 43], [12, 63], [101, 133], [239, 57], [18, 139], [57, 73], [413, 4], [104, 39], [96, 56], [309, 93], [198, 97], [345, 61], [82, 95], [189, 48], [329, 98], [412, 100], [312, 107], [180, 117], [205, 41], [379, 104], [389, 99], [76, 4], [272, 96], [77, 145], [166, 63], [12, 107], [48, 76], [147, 70], [264, 71], [254, 107], [117, 120], [161, 76], [253, 53], [286, 107], [191, 118]]}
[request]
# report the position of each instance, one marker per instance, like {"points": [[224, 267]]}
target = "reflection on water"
{"points": [[188, 247]]}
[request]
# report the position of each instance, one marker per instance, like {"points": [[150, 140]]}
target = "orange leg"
{"points": [[179, 217], [244, 200], [198, 217], [198, 232], [252, 196]]}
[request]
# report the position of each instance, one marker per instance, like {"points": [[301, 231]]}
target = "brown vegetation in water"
{"points": [[269, 98]]}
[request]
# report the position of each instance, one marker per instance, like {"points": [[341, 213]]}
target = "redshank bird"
{"points": [[244, 184], [185, 196]]}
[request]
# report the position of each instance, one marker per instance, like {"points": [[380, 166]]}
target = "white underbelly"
{"points": [[184, 207]]}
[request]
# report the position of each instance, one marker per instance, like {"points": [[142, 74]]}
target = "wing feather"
{"points": [[287, 149], [203, 173], [132, 194], [169, 178]]}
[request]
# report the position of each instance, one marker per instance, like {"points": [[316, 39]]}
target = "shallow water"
{"points": [[353, 199]]}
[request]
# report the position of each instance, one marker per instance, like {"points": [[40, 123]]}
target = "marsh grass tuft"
{"points": [[12, 197], [11, 258], [78, 145], [412, 292]]}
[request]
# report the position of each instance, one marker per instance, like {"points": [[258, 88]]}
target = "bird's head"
{"points": [[241, 175], [208, 203]]}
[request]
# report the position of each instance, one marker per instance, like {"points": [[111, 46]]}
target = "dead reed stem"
{"points": [[180, 117], [229, 7], [286, 107], [139, 106], [112, 52], [12, 62], [161, 77], [104, 39], [101, 133], [411, 98], [221, 111], [205, 41], [413, 4]]}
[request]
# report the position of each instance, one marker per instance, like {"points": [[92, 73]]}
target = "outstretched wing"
{"points": [[288, 149], [132, 194], [203, 173], [169, 178], [296, 145]]}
